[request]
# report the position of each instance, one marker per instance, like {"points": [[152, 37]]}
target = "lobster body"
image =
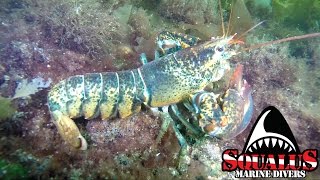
{"points": [[164, 81], [175, 76]]}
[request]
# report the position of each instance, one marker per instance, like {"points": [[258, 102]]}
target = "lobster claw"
{"points": [[228, 114]]}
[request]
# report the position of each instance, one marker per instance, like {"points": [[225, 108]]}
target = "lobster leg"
{"points": [[143, 58], [183, 120], [183, 158], [170, 42], [166, 121], [184, 153]]}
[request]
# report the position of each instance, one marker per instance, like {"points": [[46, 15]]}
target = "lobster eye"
{"points": [[220, 49]]}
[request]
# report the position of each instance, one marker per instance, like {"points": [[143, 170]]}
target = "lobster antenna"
{"points": [[250, 29], [283, 40], [229, 22], [221, 15]]}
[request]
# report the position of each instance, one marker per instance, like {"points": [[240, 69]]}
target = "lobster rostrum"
{"points": [[168, 80]]}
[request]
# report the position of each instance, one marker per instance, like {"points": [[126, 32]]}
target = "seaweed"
{"points": [[9, 170], [192, 11], [293, 13], [288, 13], [82, 26], [6, 108], [240, 19]]}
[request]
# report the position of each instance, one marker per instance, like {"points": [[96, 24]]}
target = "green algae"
{"points": [[12, 170], [293, 13], [6, 108]]}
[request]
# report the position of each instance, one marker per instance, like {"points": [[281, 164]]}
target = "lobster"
{"points": [[186, 71]]}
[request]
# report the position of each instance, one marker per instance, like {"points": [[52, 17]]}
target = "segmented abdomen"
{"points": [[108, 94]]}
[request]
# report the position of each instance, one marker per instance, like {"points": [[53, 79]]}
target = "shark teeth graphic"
{"points": [[280, 142], [274, 141], [271, 143], [271, 134]]}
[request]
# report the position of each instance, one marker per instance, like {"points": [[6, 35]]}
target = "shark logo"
{"points": [[271, 134], [270, 151]]}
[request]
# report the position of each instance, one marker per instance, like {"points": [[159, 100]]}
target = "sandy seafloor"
{"points": [[43, 42]]}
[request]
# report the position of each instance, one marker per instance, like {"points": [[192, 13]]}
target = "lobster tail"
{"points": [[110, 94], [106, 94], [74, 87], [123, 94], [63, 108], [92, 95]]}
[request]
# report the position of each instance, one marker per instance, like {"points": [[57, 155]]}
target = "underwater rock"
{"points": [[85, 27], [27, 51], [72, 61], [193, 12], [131, 134], [3, 70], [140, 23], [206, 160], [33, 164], [25, 88]]}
